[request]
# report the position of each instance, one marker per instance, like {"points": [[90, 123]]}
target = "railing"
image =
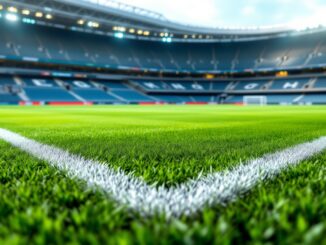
{"points": [[127, 8]]}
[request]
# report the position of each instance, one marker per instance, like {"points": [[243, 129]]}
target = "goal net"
{"points": [[254, 100]]}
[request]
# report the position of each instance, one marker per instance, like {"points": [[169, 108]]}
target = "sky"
{"points": [[239, 13]]}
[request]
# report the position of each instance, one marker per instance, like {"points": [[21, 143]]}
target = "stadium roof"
{"points": [[113, 18]]}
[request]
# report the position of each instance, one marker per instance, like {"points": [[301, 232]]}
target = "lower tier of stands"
{"points": [[306, 90]]}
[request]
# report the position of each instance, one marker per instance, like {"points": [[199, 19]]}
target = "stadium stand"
{"points": [[45, 56], [113, 92], [69, 47], [37, 89]]}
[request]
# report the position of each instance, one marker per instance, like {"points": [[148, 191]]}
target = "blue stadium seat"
{"points": [[8, 98], [314, 99], [250, 85], [113, 85], [289, 84], [95, 95], [132, 96], [48, 94], [7, 80], [281, 99], [219, 85], [320, 83]]}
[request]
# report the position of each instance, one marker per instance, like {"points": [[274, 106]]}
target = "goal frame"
{"points": [[260, 100]]}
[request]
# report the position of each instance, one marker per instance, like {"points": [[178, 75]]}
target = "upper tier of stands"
{"points": [[30, 42]]}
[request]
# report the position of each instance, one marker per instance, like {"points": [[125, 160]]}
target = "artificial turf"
{"points": [[163, 145]]}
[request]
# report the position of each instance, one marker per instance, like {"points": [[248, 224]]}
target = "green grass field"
{"points": [[164, 145]]}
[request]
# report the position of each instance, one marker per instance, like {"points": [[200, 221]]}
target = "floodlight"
{"points": [[167, 39], [93, 24], [28, 21], [26, 12], [119, 35], [39, 14], [80, 22], [12, 9], [11, 17]]}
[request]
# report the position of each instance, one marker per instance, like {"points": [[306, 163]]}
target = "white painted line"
{"points": [[185, 199]]}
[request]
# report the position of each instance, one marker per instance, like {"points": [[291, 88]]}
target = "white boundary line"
{"points": [[185, 199]]}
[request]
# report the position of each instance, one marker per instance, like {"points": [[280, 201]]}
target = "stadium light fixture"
{"points": [[146, 33], [119, 35], [11, 17], [39, 14], [131, 30], [12, 9], [49, 17], [26, 12], [81, 22], [140, 32], [119, 28], [29, 21], [93, 24], [167, 39]]}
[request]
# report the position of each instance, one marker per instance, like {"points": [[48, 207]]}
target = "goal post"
{"points": [[255, 100]]}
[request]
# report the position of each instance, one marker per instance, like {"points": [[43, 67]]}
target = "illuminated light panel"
{"points": [[119, 28], [49, 17], [39, 14], [80, 22], [29, 21], [26, 12], [11, 17], [132, 30], [119, 35], [167, 39], [93, 24], [12, 9], [147, 33], [140, 32]]}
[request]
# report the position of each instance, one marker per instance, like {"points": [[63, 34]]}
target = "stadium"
{"points": [[121, 126]]}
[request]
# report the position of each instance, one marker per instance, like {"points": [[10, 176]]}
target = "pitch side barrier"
{"points": [[60, 103]]}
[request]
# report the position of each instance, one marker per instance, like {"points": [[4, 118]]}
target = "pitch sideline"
{"points": [[185, 199]]}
